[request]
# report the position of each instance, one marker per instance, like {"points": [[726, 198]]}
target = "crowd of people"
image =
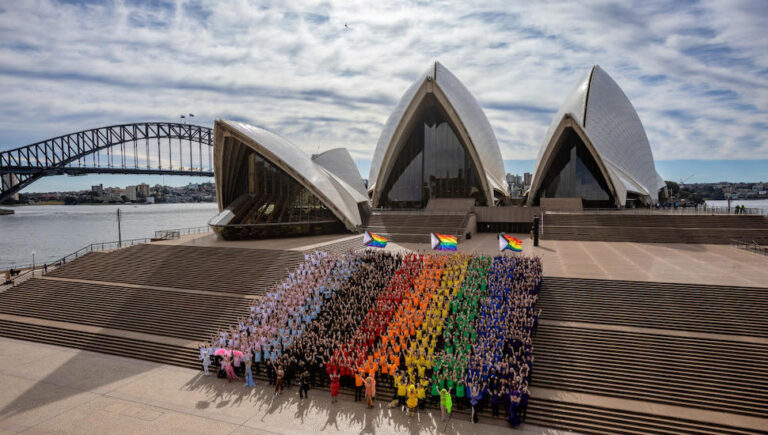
{"points": [[459, 332], [436, 328], [502, 357]]}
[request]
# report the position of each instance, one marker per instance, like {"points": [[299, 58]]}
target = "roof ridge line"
{"points": [[586, 97]]}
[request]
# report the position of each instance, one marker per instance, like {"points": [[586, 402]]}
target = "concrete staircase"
{"points": [[717, 375], [233, 270], [689, 349], [113, 345], [683, 307], [615, 227], [189, 316], [600, 420]]}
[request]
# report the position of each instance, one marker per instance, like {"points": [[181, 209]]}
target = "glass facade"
{"points": [[432, 163], [574, 173], [275, 197]]}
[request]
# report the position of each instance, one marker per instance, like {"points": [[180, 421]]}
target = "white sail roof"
{"points": [[610, 122], [339, 162], [470, 117], [335, 192]]}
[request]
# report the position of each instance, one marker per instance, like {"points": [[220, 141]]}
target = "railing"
{"points": [[93, 247], [166, 235], [28, 271], [178, 232], [189, 230], [699, 211], [418, 211], [102, 246], [750, 245]]}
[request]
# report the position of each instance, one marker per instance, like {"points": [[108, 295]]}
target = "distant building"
{"points": [[516, 187], [98, 190], [514, 180], [130, 193], [142, 190], [527, 177]]}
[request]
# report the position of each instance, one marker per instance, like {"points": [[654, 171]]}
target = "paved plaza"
{"points": [[660, 262], [51, 389]]}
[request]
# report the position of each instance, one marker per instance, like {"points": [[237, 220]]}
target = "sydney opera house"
{"points": [[437, 145]]}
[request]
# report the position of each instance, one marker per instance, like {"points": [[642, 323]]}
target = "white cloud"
{"points": [[696, 71]]}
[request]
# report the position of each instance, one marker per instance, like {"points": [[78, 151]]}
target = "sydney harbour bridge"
{"points": [[153, 148]]}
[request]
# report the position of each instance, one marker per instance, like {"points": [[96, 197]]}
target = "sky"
{"points": [[326, 74]]}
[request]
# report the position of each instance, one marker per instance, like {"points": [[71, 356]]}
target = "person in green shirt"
{"points": [[460, 393], [434, 392], [445, 403]]}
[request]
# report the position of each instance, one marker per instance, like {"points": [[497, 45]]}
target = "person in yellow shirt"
{"points": [[421, 369], [421, 391], [401, 390], [412, 401]]}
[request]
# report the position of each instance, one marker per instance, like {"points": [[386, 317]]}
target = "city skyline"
{"points": [[694, 171]]}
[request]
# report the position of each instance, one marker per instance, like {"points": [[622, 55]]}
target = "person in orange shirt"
{"points": [[358, 385], [370, 390]]}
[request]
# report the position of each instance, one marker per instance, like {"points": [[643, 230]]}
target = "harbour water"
{"points": [[53, 231]]}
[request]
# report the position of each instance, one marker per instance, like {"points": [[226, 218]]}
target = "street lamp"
{"points": [[33, 263]]}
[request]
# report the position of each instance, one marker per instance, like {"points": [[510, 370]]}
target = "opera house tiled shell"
{"points": [[596, 149], [437, 143], [267, 187]]}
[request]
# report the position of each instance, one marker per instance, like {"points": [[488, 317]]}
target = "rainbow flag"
{"points": [[508, 242], [442, 242], [374, 240]]}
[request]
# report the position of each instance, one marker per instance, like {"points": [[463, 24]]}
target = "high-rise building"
{"points": [[130, 193], [142, 190]]}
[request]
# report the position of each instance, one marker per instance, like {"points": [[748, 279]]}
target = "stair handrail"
{"points": [[679, 211], [27, 271], [750, 245]]}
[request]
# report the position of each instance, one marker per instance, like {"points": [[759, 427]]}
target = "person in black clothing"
{"points": [[303, 384], [271, 375], [495, 399]]}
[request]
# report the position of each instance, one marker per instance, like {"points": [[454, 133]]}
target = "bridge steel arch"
{"points": [[154, 142]]}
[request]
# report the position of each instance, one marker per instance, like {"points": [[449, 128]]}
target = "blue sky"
{"points": [[696, 71]]}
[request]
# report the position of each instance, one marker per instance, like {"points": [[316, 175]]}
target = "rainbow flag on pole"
{"points": [[508, 242], [374, 240], [443, 242]]}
